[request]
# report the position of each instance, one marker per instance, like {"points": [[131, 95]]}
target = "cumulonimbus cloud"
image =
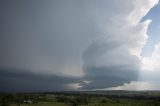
{"points": [[114, 57], [97, 41]]}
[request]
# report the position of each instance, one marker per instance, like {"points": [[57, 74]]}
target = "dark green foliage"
{"points": [[103, 100], [82, 99], [62, 98]]}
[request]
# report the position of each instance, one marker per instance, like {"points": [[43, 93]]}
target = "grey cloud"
{"points": [[103, 77], [114, 58], [109, 63], [13, 80], [90, 39], [38, 35]]}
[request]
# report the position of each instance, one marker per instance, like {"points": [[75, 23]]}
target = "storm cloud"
{"points": [[14, 80], [85, 44], [114, 58]]}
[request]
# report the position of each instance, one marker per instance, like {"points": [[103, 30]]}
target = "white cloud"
{"points": [[141, 85], [115, 54], [152, 63], [141, 9], [73, 86]]}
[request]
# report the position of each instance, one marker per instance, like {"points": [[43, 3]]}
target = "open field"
{"points": [[82, 98]]}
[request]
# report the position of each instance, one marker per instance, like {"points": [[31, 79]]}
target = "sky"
{"points": [[65, 45], [153, 30]]}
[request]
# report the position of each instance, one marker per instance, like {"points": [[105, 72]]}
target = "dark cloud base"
{"points": [[103, 77], [12, 80]]}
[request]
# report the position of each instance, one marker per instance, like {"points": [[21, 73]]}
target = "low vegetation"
{"points": [[84, 98]]}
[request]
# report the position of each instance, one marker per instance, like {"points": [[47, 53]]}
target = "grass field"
{"points": [[42, 104], [109, 98]]}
